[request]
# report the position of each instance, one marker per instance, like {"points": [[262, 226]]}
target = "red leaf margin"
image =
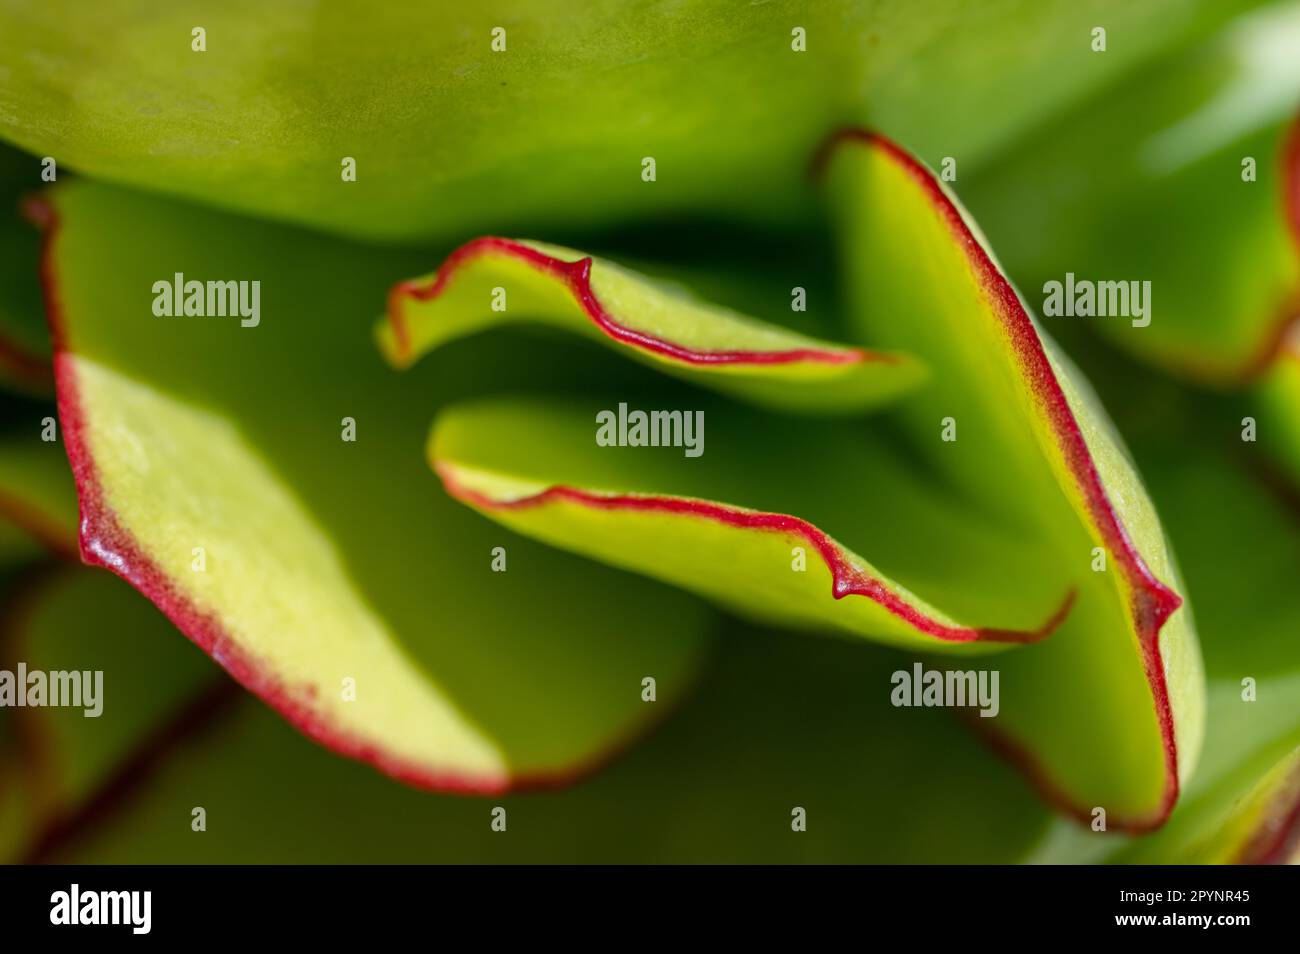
{"points": [[576, 276], [1152, 601], [846, 579], [103, 542]]}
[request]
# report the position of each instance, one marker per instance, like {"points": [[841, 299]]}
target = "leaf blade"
{"points": [[691, 339], [144, 400], [1021, 405], [532, 466]]}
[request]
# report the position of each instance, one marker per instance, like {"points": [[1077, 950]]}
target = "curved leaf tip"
{"points": [[491, 281], [162, 473], [1155, 601], [691, 523], [1069, 430], [576, 274]]}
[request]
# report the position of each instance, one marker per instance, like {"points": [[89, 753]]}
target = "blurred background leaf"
{"points": [[449, 136]]}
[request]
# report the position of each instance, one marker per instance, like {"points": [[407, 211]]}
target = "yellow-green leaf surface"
{"points": [[1185, 177], [775, 727], [456, 130], [272, 796], [217, 472], [755, 521], [1110, 710], [492, 281]]}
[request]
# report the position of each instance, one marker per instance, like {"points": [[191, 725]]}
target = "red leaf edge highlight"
{"points": [[847, 580], [576, 276], [1153, 602], [105, 543]]}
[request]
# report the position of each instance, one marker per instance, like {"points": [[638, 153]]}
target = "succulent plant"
{"points": [[618, 432]]}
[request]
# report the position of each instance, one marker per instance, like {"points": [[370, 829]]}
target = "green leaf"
{"points": [[490, 281], [1110, 710], [1242, 793], [1241, 807], [274, 797], [451, 137], [731, 525], [213, 474], [1186, 176], [1240, 803], [1215, 493]]}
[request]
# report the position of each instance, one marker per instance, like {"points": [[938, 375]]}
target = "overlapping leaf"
{"points": [[1240, 805], [126, 785], [213, 474], [1111, 708], [491, 281], [727, 528], [756, 525]]}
